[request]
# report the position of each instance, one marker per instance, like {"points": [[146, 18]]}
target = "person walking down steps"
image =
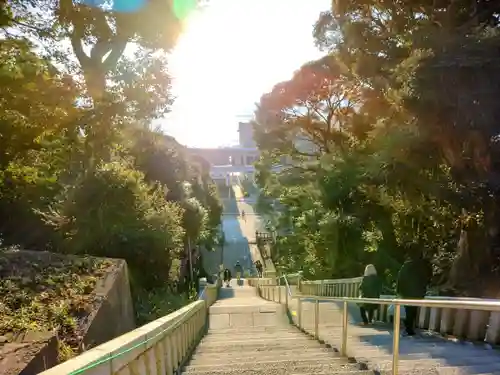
{"points": [[413, 279], [227, 276], [370, 287], [258, 266], [239, 270]]}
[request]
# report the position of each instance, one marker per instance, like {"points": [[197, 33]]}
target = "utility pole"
{"points": [[222, 240], [190, 257]]}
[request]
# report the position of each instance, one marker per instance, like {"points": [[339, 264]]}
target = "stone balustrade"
{"points": [[332, 288], [160, 347], [469, 325]]}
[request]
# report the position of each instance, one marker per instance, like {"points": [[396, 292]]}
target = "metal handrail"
{"points": [[337, 281], [202, 294], [287, 285], [463, 304], [397, 302]]}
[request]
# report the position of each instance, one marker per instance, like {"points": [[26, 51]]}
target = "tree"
{"points": [[98, 36], [418, 165], [38, 148], [351, 199], [115, 213], [421, 57], [58, 137], [309, 114], [104, 32]]}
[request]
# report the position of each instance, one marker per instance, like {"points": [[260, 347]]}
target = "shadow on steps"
{"points": [[225, 293]]}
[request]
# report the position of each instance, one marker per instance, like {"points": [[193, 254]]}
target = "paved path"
{"points": [[251, 224], [240, 232], [426, 354], [239, 305]]}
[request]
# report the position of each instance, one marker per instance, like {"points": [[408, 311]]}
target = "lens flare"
{"points": [[182, 8]]}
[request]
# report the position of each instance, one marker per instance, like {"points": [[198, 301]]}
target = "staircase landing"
{"points": [[240, 306]]}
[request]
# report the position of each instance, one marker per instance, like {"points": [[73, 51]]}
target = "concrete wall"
{"points": [[114, 315], [29, 353]]}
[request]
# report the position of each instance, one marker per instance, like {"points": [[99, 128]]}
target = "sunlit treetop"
{"points": [[99, 30]]}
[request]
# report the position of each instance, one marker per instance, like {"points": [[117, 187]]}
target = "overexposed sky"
{"points": [[229, 55]]}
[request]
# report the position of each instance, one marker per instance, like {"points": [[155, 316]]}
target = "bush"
{"points": [[152, 305], [113, 213]]}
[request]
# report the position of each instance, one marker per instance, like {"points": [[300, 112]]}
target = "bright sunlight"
{"points": [[230, 54]]}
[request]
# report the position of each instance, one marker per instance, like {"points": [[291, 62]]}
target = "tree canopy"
{"points": [[391, 143], [82, 171]]}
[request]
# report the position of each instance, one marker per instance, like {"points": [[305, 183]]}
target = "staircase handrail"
{"points": [[287, 284], [432, 306], [186, 323], [205, 292], [144, 345], [492, 306]]}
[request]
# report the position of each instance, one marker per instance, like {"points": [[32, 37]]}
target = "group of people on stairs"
{"points": [[238, 269], [413, 279], [227, 276]]}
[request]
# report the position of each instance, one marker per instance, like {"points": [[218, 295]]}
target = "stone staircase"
{"points": [[249, 335]]}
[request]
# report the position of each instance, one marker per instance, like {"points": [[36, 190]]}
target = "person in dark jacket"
{"points": [[370, 287], [259, 267], [414, 276], [227, 276]]}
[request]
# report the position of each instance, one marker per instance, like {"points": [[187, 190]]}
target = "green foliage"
{"points": [[81, 170], [98, 36], [390, 143], [114, 213], [247, 186], [42, 292], [35, 139], [153, 304]]}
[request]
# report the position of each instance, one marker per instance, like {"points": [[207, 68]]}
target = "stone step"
{"points": [[257, 337], [238, 340], [268, 346], [285, 372], [235, 342], [257, 356], [266, 330], [273, 367], [250, 336], [225, 331]]}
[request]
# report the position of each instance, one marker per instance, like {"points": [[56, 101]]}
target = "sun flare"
{"points": [[228, 56]]}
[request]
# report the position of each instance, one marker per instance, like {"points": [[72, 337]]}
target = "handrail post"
{"points": [[299, 313], [395, 339], [286, 296], [345, 320], [316, 319]]}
